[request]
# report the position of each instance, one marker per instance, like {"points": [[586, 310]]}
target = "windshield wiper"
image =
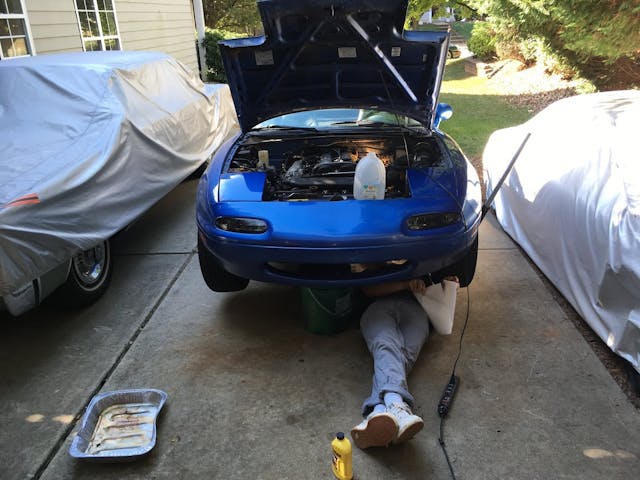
{"points": [[366, 123], [282, 127], [346, 122]]}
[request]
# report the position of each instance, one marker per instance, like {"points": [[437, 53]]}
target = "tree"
{"points": [[233, 15], [416, 8], [596, 38]]}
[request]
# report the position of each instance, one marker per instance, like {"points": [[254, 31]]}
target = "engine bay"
{"points": [[323, 167]]}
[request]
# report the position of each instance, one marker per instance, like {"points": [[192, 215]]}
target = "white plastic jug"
{"points": [[370, 179]]}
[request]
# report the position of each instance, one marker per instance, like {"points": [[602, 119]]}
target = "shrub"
{"points": [[509, 50], [482, 41], [528, 51], [531, 49], [597, 39], [215, 68]]}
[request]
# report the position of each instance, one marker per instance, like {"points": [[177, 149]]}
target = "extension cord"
{"points": [[447, 396]]}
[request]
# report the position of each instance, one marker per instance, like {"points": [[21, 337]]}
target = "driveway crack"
{"points": [[63, 438]]}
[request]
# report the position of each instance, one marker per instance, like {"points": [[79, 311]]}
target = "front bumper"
{"points": [[337, 266]]}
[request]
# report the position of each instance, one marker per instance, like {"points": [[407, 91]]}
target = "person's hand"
{"points": [[417, 285]]}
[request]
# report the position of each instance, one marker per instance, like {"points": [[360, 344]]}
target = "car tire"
{"points": [[88, 278], [464, 269], [215, 276]]}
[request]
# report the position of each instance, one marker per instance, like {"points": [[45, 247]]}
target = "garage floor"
{"points": [[253, 395]]}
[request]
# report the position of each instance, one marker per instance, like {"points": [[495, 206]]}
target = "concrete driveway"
{"points": [[253, 395]]}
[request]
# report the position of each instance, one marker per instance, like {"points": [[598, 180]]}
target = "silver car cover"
{"points": [[572, 202], [88, 142]]}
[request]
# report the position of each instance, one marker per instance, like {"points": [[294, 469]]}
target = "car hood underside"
{"points": [[334, 54]]}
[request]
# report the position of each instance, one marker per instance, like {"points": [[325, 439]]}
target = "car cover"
{"points": [[89, 142], [572, 202]]}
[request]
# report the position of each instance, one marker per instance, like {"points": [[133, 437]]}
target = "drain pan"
{"points": [[119, 425]]}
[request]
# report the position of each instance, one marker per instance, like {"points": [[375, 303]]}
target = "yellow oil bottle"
{"points": [[341, 464]]}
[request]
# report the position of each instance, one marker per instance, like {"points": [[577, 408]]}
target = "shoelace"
{"points": [[400, 410]]}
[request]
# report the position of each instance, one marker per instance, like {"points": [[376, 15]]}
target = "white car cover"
{"points": [[572, 202], [89, 141]]}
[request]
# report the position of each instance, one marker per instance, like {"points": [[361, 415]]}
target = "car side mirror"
{"points": [[443, 112]]}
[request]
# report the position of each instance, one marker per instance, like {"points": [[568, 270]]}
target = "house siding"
{"points": [[164, 25], [54, 25], [159, 25]]}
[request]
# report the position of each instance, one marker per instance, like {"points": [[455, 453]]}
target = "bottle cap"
{"points": [[340, 436]]}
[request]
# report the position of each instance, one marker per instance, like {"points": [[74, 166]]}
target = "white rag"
{"points": [[439, 301]]}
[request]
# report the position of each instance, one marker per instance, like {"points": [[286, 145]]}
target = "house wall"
{"points": [[161, 25], [164, 25], [54, 25]]}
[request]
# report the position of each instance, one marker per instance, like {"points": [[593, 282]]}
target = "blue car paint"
{"points": [[241, 186], [396, 71], [342, 232], [249, 260]]}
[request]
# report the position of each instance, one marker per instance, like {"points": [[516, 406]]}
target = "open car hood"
{"points": [[334, 54]]}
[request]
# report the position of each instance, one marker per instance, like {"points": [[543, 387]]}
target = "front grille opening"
{"points": [[337, 271]]}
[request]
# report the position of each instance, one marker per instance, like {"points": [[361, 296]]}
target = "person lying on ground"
{"points": [[394, 327]]}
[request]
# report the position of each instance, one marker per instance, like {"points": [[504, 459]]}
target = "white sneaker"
{"points": [[377, 430], [408, 423]]}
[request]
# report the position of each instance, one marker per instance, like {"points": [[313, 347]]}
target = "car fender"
{"points": [[33, 293]]}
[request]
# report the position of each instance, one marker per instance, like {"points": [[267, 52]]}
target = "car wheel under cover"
{"points": [[88, 279], [464, 269], [215, 276]]}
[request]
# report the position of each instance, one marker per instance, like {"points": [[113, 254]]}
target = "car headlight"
{"points": [[425, 221], [241, 224]]}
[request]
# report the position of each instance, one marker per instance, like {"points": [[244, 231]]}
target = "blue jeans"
{"points": [[394, 328]]}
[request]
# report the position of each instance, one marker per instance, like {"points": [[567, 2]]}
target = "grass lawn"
{"points": [[478, 110]]}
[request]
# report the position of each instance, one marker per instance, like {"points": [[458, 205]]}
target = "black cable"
{"points": [[464, 328], [444, 448], [452, 384]]}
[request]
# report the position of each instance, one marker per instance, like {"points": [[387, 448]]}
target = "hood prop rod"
{"points": [[489, 201]]}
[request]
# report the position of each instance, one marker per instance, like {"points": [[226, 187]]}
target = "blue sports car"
{"points": [[330, 84]]}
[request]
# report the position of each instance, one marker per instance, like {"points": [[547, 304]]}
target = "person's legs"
{"points": [[414, 328], [394, 329], [382, 336]]}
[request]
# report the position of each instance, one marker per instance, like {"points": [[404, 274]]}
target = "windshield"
{"points": [[337, 118]]}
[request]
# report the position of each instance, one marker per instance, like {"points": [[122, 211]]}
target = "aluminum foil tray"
{"points": [[119, 425]]}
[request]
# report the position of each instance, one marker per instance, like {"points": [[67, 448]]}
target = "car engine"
{"points": [[324, 168]]}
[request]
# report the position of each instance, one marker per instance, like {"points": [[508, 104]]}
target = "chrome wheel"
{"points": [[90, 265], [88, 278]]}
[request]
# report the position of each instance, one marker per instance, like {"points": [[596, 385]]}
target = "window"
{"points": [[98, 25], [14, 30]]}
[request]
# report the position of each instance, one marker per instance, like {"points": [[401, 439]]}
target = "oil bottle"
{"points": [[341, 464]]}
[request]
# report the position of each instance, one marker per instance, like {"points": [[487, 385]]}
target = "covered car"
{"points": [[328, 85], [89, 142], [572, 202]]}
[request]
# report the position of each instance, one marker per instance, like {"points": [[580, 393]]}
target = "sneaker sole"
{"points": [[409, 433], [380, 432]]}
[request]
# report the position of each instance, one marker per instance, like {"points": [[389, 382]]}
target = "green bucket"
{"points": [[327, 310]]}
